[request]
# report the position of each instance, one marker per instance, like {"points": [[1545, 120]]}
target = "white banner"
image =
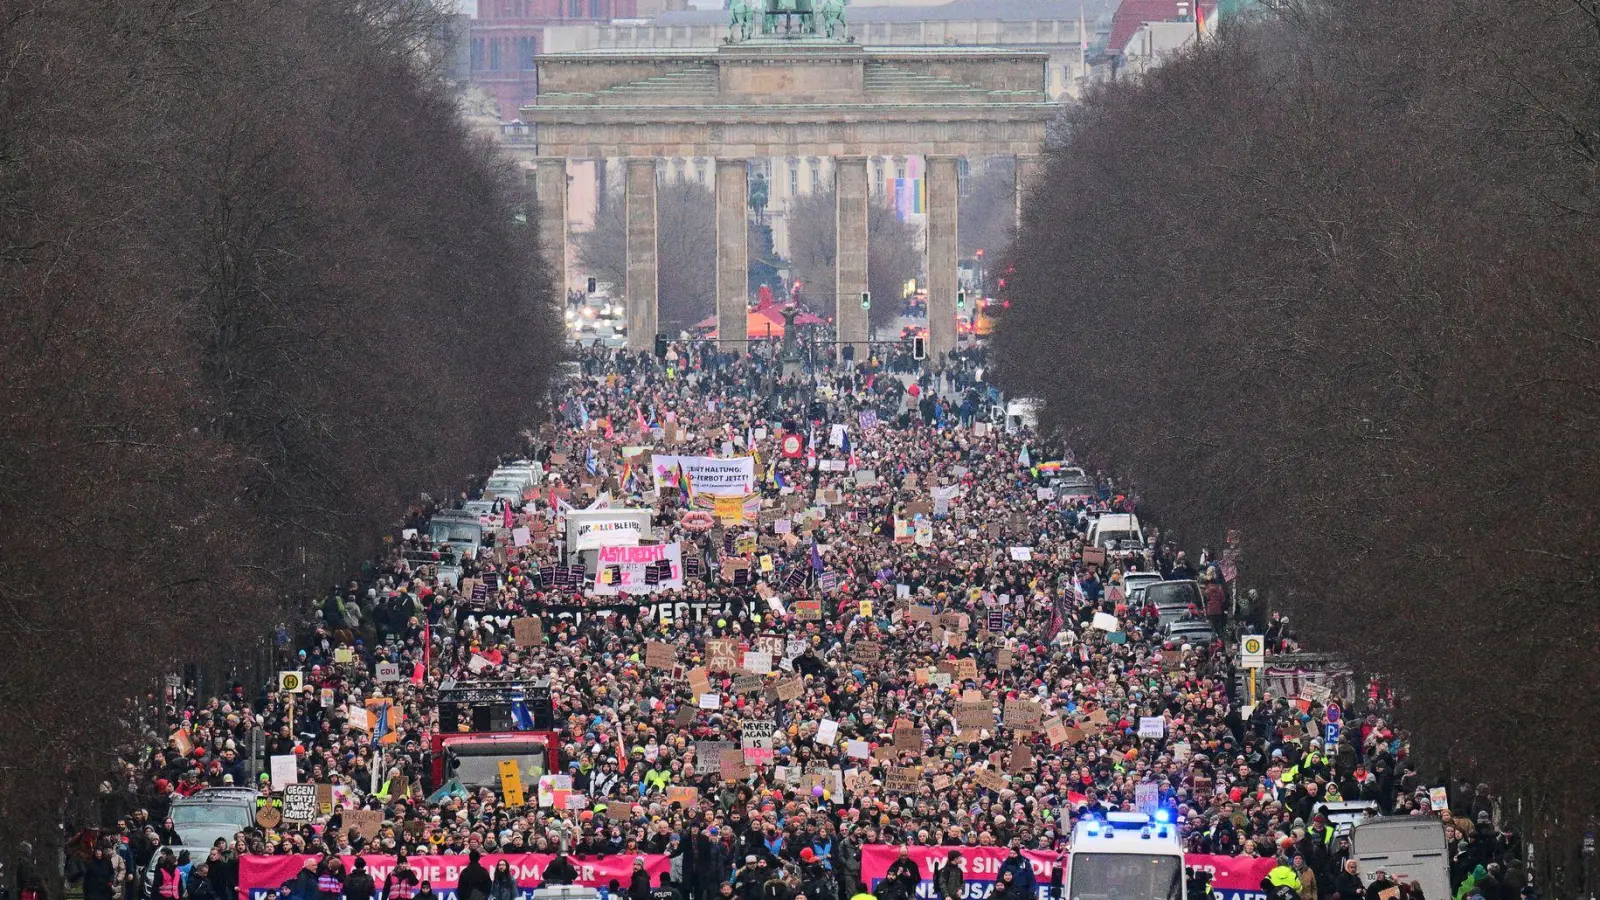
{"points": [[593, 529], [735, 476], [628, 569]]}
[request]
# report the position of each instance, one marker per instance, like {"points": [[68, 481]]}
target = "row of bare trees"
{"points": [[261, 288], [1331, 279]]}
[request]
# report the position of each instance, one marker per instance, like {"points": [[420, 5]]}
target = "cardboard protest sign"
{"points": [[722, 655], [1024, 714], [708, 755], [269, 816], [791, 689], [699, 681], [734, 767], [619, 810], [991, 780], [528, 631], [974, 714], [1021, 759], [907, 739], [1054, 731], [687, 796], [902, 779], [660, 655], [366, 822]]}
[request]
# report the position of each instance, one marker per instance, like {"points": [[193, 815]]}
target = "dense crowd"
{"points": [[929, 609]]}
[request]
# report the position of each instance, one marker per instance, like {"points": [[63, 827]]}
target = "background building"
{"points": [[505, 35]]}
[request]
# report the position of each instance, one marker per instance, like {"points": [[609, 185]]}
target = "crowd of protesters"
{"points": [[950, 614]]}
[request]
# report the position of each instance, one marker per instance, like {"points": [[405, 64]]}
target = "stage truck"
{"points": [[482, 723], [1126, 856]]}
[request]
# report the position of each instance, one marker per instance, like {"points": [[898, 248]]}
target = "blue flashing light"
{"points": [[1163, 815]]}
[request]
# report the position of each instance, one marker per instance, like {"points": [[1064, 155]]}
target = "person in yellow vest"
{"points": [[1282, 882], [862, 893]]}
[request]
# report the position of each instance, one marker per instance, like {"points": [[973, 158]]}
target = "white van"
{"points": [[1118, 533], [1411, 848]]}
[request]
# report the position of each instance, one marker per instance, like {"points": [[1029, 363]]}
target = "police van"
{"points": [[1126, 856]]}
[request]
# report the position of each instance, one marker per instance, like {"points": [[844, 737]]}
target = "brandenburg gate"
{"points": [[785, 92]]}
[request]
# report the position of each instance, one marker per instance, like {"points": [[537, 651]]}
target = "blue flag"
{"points": [[519, 712]]}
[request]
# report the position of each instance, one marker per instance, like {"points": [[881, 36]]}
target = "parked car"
{"points": [[212, 813], [196, 853], [1191, 630], [1117, 533], [1134, 584]]}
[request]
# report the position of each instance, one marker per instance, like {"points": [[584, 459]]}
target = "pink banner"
{"points": [[981, 865], [259, 876], [1233, 877]]}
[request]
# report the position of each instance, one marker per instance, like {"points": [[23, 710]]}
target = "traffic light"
{"points": [[919, 347], [661, 345], [866, 300], [961, 300], [593, 285]]}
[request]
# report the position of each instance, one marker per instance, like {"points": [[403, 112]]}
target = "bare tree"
{"points": [[686, 242], [261, 289], [893, 257], [1304, 283]]}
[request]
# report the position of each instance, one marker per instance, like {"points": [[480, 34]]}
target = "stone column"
{"points": [[550, 183], [733, 255], [1028, 168], [640, 214], [850, 255], [943, 256]]}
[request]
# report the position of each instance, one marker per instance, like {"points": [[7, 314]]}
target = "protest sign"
{"points": [[660, 655], [643, 569], [705, 474], [758, 741], [791, 689], [1055, 732], [1024, 714], [687, 797], [902, 779], [284, 771], [366, 822], [300, 803], [827, 732], [973, 714], [528, 631], [708, 756]]}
